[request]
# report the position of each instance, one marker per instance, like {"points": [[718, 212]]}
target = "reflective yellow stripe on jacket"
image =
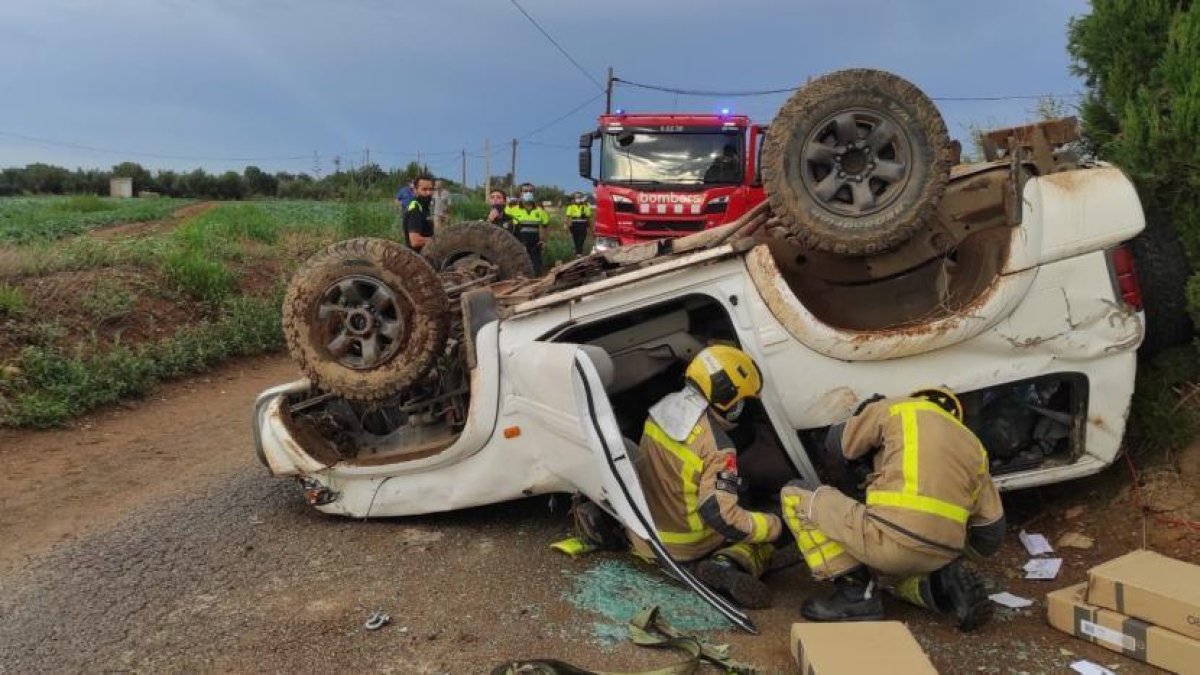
{"points": [[909, 497], [689, 475], [814, 545]]}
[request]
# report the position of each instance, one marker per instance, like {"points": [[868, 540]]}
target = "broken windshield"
{"points": [[653, 157]]}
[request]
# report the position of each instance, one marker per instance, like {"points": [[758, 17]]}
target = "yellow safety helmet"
{"points": [[725, 376], [944, 398]]}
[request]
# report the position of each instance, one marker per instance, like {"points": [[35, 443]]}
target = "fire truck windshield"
{"points": [[655, 157]]}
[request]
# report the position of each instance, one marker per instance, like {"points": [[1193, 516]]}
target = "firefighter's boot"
{"points": [[593, 524], [727, 578], [854, 598], [961, 591], [953, 590]]}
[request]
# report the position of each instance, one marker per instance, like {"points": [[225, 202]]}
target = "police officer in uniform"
{"points": [[687, 467], [530, 222], [418, 218], [929, 501], [579, 215]]}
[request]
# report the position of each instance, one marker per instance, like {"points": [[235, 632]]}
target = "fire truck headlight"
{"points": [[606, 244], [717, 204], [622, 204]]}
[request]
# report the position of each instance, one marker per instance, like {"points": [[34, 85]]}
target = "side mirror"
{"points": [[759, 138], [585, 156]]}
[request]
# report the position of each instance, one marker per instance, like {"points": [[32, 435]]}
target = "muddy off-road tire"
{"points": [[483, 240], [365, 318], [856, 162]]}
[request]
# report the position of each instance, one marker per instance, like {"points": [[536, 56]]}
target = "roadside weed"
{"points": [[193, 273], [108, 300], [12, 300], [55, 385]]}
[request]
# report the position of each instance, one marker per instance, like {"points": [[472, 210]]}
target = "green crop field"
{"points": [[33, 219], [85, 321]]}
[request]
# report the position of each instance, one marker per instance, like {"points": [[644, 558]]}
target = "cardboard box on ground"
{"points": [[1151, 587], [838, 649], [1143, 605]]}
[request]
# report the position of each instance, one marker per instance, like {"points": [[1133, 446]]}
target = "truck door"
{"points": [[622, 493]]}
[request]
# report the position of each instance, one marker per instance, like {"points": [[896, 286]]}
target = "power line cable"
{"points": [[308, 156], [556, 146], [197, 158], [560, 47], [560, 118], [783, 90]]}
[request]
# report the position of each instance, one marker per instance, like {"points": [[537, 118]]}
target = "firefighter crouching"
{"points": [[688, 472], [929, 500]]}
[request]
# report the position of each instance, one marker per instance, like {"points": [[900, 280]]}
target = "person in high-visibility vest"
{"points": [[530, 222], [579, 215], [687, 467], [929, 501]]}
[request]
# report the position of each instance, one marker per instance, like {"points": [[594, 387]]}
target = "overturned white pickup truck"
{"points": [[1012, 288]]}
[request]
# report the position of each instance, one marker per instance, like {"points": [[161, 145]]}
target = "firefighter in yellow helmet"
{"points": [[687, 467], [929, 501]]}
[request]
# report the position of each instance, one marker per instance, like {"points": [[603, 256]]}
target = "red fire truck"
{"points": [[665, 175]]}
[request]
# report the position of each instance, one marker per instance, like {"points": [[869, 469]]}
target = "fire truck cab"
{"points": [[665, 175]]}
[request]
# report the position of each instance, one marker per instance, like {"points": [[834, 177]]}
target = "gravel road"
{"points": [[147, 538]]}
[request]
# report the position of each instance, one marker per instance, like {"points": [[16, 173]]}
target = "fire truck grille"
{"points": [[671, 225]]}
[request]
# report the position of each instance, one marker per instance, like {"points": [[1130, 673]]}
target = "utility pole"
{"points": [[608, 92], [513, 166], [366, 167], [316, 165], [464, 168], [419, 170], [487, 168]]}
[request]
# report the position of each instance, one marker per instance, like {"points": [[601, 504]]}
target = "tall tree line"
{"points": [[1140, 60]]}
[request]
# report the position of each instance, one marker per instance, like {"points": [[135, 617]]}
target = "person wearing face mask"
{"points": [[498, 210], [687, 467], [579, 214], [530, 222]]}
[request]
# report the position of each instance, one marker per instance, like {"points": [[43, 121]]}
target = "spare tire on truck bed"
{"points": [[463, 241], [365, 318], [856, 162]]}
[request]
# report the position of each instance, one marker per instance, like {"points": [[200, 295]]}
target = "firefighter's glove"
{"points": [[863, 406], [985, 540], [833, 460]]}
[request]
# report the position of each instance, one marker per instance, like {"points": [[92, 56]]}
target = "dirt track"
{"points": [[148, 538]]}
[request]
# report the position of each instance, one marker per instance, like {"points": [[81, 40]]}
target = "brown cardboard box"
{"points": [[858, 648], [1069, 612], [1151, 587]]}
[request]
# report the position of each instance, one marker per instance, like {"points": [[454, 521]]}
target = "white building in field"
{"points": [[120, 187]]}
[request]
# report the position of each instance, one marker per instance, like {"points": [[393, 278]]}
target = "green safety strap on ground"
{"points": [[647, 629], [573, 546]]}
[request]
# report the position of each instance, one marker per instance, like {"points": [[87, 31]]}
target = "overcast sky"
{"points": [[186, 83]]}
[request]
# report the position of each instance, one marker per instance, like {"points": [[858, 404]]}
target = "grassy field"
{"points": [[86, 321], [32, 219]]}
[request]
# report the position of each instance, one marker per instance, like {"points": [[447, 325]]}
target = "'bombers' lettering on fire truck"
{"points": [[668, 198]]}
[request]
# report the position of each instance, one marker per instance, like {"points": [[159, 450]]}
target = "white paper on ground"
{"points": [[1035, 544], [1089, 668], [1009, 600], [1042, 568]]}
